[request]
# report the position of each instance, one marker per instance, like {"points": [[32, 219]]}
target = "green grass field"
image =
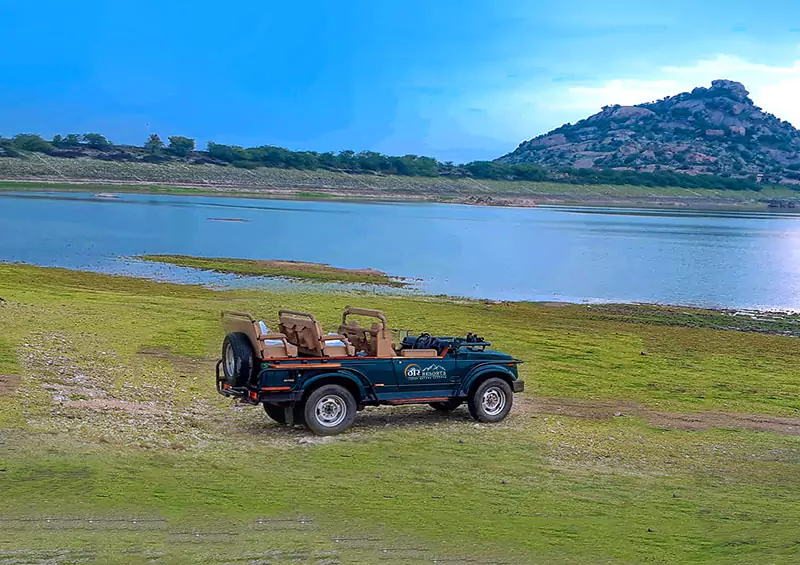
{"points": [[639, 438]]}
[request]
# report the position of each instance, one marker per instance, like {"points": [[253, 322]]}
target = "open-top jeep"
{"points": [[303, 376]]}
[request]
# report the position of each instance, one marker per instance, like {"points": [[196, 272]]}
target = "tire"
{"points": [[447, 405], [278, 413], [491, 400], [299, 414], [329, 410], [238, 360]]}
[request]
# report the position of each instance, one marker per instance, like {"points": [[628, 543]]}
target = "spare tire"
{"points": [[238, 360]]}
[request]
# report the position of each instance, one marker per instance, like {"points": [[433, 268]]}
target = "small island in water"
{"points": [[319, 272]]}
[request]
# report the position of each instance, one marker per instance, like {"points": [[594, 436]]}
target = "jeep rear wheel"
{"points": [[447, 405], [238, 360], [278, 413], [491, 400], [329, 410]]}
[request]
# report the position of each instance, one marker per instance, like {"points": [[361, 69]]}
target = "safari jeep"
{"points": [[303, 376]]}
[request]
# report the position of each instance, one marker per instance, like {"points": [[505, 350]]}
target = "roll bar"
{"points": [[296, 313], [236, 314], [364, 312]]}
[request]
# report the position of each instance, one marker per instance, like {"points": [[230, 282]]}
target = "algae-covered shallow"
{"points": [[645, 434], [279, 268]]}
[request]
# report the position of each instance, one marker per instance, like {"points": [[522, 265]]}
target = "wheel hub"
{"points": [[493, 401], [330, 411], [230, 360]]}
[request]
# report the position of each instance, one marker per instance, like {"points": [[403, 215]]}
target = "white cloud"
{"points": [[774, 88], [490, 120], [527, 110]]}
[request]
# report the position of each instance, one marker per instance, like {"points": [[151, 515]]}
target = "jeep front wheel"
{"points": [[329, 410], [491, 401]]}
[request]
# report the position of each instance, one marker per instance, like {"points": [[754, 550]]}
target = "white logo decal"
{"points": [[416, 373]]}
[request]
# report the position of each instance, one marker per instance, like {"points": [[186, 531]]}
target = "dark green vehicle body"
{"points": [[460, 366]]}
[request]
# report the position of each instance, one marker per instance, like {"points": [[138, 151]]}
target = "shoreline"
{"points": [[783, 322], [282, 268], [287, 191]]}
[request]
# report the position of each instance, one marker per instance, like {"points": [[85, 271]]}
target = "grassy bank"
{"points": [[275, 268], [635, 441], [61, 174]]}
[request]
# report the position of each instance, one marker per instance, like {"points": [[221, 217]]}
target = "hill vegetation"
{"points": [[716, 131], [97, 147]]}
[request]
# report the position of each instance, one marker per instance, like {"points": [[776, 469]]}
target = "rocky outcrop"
{"points": [[717, 130]]}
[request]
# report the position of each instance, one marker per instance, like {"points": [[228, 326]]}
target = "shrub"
{"points": [[31, 142], [180, 145], [96, 140]]}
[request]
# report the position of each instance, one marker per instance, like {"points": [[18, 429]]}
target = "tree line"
{"points": [[373, 162], [178, 145]]}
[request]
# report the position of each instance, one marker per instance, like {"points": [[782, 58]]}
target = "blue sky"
{"points": [[459, 80]]}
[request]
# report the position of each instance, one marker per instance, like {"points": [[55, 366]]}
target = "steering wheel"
{"points": [[423, 341]]}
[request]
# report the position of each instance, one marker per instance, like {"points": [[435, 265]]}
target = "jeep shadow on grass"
{"points": [[304, 376]]}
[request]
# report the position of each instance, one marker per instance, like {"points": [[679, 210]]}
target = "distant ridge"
{"points": [[717, 130]]}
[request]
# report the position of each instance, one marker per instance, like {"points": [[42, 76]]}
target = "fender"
{"points": [[353, 376], [480, 370]]}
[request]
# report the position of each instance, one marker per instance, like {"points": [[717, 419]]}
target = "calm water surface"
{"points": [[734, 260]]}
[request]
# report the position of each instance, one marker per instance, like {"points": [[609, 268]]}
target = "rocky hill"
{"points": [[716, 130]]}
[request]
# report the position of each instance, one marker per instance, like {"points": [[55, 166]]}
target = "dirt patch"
{"points": [[705, 420], [183, 364], [323, 266], [602, 410], [551, 304], [106, 404], [8, 384], [96, 397]]}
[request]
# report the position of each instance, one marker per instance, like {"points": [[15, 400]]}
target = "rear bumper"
{"points": [[253, 395], [518, 385]]}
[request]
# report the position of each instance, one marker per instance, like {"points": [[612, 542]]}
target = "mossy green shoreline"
{"points": [[278, 268]]}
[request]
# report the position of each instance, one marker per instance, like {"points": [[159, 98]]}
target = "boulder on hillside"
{"points": [[716, 129]]}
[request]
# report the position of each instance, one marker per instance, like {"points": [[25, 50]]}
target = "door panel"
{"points": [[426, 373], [380, 372]]}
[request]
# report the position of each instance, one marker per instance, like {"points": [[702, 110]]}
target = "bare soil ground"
{"points": [[604, 409], [315, 266], [84, 396], [8, 384]]}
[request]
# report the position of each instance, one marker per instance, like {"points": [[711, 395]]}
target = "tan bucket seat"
{"points": [[303, 330], [375, 341]]}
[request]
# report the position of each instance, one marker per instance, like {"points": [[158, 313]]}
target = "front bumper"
{"points": [[518, 385]]}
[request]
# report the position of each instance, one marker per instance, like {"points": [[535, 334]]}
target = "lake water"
{"points": [[737, 260]]}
